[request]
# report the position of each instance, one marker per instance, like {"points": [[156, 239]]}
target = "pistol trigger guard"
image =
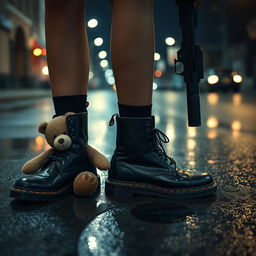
{"points": [[175, 69]]}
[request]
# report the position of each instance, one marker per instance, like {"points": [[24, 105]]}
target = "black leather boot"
{"points": [[141, 166], [56, 176]]}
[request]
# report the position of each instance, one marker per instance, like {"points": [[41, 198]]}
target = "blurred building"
{"points": [[231, 40], [21, 31]]}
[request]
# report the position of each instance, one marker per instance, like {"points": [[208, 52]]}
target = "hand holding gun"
{"points": [[190, 55]]}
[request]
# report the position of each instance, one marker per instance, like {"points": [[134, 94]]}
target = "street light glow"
{"points": [[157, 56], [108, 72], [98, 41], [111, 80], [45, 71], [43, 51], [91, 75], [170, 41], [158, 73], [212, 122], [213, 79], [237, 79], [102, 54], [213, 98], [92, 23], [236, 125], [104, 63], [37, 52]]}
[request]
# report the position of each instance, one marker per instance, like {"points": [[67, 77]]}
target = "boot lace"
{"points": [[158, 138]]}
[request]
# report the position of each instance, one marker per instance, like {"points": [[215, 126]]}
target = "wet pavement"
{"points": [[223, 224]]}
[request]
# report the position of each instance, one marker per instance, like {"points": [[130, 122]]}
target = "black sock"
{"points": [[70, 103], [134, 111]]}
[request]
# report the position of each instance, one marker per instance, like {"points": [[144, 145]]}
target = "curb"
{"points": [[13, 95], [11, 100]]}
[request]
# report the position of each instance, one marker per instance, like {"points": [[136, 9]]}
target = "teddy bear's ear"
{"points": [[42, 127], [69, 113]]}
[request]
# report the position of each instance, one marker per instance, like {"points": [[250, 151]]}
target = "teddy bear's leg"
{"points": [[85, 184], [98, 159], [36, 163]]}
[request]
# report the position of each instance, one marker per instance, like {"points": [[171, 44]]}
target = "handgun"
{"points": [[190, 59]]}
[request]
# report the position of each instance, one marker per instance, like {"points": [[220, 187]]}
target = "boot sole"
{"points": [[36, 195], [127, 189]]}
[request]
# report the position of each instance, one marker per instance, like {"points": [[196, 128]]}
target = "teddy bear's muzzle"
{"points": [[62, 142]]}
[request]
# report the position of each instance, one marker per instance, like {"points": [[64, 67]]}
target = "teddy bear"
{"points": [[85, 183]]}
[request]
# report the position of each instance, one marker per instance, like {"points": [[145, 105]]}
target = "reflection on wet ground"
{"points": [[223, 224], [161, 212]]}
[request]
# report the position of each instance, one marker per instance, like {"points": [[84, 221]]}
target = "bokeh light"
{"points": [[170, 41], [157, 56], [191, 144], [114, 87], [39, 142], [91, 75], [92, 23], [111, 80], [98, 41], [37, 52], [43, 51], [45, 71], [158, 73], [236, 125], [191, 132], [212, 122], [104, 63], [213, 79], [237, 99], [108, 72], [237, 79], [102, 54], [213, 98], [212, 134]]}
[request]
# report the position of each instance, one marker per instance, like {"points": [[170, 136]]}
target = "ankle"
{"points": [[134, 111], [69, 103]]}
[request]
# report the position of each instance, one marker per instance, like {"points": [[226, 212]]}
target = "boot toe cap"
{"points": [[202, 179], [28, 183], [21, 183]]}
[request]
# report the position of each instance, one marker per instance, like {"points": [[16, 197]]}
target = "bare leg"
{"points": [[67, 47], [132, 50]]}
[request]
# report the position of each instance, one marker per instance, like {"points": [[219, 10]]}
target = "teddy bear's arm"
{"points": [[98, 159], [36, 163]]}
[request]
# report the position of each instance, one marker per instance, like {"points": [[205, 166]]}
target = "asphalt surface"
{"points": [[223, 224]]}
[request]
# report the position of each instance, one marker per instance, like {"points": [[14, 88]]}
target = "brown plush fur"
{"points": [[97, 158], [85, 183], [36, 163]]}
